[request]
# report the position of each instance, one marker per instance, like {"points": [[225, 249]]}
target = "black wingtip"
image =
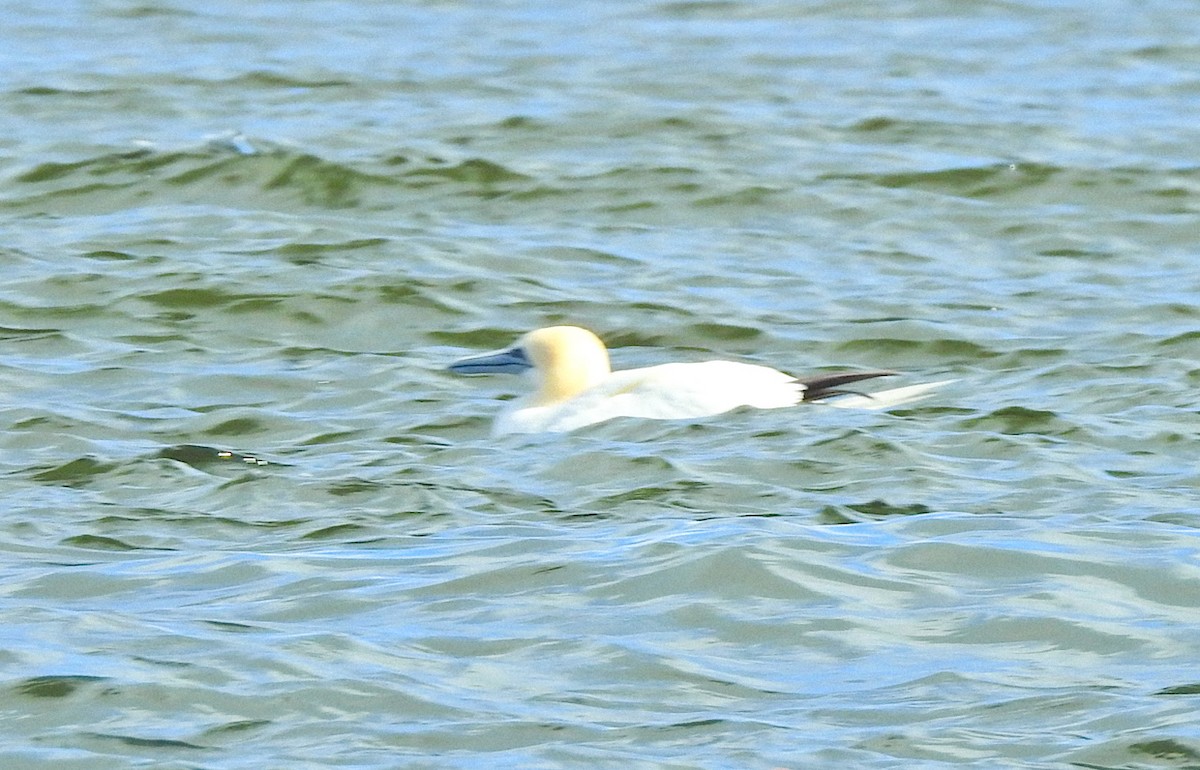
{"points": [[827, 385]]}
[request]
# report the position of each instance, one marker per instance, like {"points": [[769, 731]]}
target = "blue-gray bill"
{"points": [[512, 361]]}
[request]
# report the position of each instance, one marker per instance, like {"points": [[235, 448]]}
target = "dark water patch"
{"points": [[968, 182], [252, 305], [692, 724], [161, 663], [1168, 750], [724, 332], [1020, 420], [199, 456], [100, 543], [476, 173], [893, 128], [417, 293], [590, 257], [708, 9], [148, 743], [1044, 183], [55, 686], [309, 253], [831, 514], [630, 206], [643, 187], [663, 493], [1075, 253], [235, 627], [1029, 358], [238, 426], [333, 437], [753, 195], [126, 163], [334, 532], [17, 334], [75, 473], [520, 123], [349, 487], [108, 255], [497, 500], [1183, 689], [73, 93], [853, 513], [537, 192], [236, 728], [485, 338], [318, 182], [271, 79], [195, 298], [29, 308], [1187, 340], [215, 174], [951, 350], [978, 182]]}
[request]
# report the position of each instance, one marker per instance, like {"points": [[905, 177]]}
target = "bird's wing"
{"points": [[679, 391]]}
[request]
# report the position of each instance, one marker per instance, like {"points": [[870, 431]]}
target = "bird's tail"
{"points": [[884, 399], [825, 386]]}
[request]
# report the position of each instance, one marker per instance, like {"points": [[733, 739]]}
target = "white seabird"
{"points": [[575, 385]]}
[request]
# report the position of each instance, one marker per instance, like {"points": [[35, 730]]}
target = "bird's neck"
{"points": [[560, 384]]}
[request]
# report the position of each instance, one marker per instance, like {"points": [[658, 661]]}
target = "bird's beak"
{"points": [[512, 360]]}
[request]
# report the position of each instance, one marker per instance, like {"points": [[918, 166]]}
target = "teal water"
{"points": [[250, 521]]}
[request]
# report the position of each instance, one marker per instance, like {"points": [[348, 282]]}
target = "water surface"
{"points": [[252, 522]]}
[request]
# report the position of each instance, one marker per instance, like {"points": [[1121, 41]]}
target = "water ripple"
{"points": [[252, 521]]}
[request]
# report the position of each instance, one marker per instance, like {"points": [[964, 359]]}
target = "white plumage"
{"points": [[575, 385]]}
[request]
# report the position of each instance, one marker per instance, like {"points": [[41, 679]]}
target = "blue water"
{"points": [[251, 521]]}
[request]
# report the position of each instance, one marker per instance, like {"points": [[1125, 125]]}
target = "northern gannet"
{"points": [[575, 385]]}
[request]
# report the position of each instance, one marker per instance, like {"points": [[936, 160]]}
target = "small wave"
{"points": [[473, 172], [967, 182], [1019, 420], [55, 686], [237, 170], [234, 170], [99, 543], [72, 473], [250, 172], [1169, 189]]}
